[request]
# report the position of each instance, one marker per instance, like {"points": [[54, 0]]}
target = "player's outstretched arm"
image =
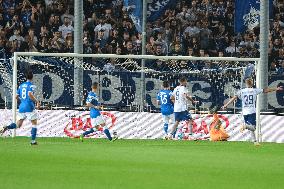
{"points": [[191, 99], [33, 98], [173, 98], [229, 102], [269, 90]]}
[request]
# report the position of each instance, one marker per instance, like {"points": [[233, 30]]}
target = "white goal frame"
{"points": [[147, 57]]}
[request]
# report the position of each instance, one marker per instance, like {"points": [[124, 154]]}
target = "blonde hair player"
{"points": [[248, 96]]}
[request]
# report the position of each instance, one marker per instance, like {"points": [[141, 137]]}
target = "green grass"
{"points": [[133, 164]]}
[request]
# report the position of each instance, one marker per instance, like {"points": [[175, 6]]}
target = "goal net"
{"points": [[127, 84]]}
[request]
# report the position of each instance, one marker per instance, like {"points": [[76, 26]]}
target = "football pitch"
{"points": [[58, 163]]}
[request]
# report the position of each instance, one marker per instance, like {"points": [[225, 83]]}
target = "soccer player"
{"points": [[27, 107], [248, 96], [180, 99], [97, 119], [167, 109]]}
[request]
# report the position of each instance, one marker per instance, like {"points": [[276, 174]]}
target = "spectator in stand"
{"points": [[101, 40], [150, 47], [128, 48], [273, 68], [115, 39], [38, 15], [68, 46], [280, 71], [56, 43], [192, 30], [205, 34], [103, 26], [2, 21], [158, 65], [232, 50], [67, 15], [177, 50], [66, 27], [14, 23], [26, 13], [87, 49], [190, 52], [160, 39], [31, 40], [158, 50], [17, 36], [46, 26], [2, 48]]}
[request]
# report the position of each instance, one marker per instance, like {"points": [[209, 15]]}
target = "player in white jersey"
{"points": [[180, 99], [248, 96]]}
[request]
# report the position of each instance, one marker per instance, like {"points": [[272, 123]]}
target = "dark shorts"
{"points": [[250, 119], [182, 116]]}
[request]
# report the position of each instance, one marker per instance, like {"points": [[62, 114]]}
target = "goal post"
{"points": [[75, 56]]}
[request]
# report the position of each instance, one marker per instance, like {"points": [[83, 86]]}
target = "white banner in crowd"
{"points": [[137, 125]]}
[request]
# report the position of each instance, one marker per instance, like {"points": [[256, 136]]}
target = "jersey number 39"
{"points": [[248, 99]]}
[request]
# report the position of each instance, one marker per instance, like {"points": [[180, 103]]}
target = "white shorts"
{"points": [[29, 115], [97, 121], [167, 118]]}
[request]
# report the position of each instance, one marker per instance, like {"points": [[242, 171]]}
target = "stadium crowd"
{"points": [[193, 27]]}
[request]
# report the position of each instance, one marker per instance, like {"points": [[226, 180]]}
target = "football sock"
{"points": [[33, 133], [190, 129], [250, 127], [174, 133], [107, 133], [166, 126], [12, 126], [91, 130]]}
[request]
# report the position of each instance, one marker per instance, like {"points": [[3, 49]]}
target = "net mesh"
{"points": [[121, 84]]}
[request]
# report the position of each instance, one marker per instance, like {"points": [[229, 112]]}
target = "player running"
{"points": [[248, 96], [180, 98], [97, 119], [167, 109], [27, 107]]}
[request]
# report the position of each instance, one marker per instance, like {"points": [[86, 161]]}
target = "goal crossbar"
{"points": [[149, 57]]}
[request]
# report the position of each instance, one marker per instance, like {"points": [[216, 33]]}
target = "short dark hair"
{"points": [[95, 85], [29, 75], [166, 84], [182, 79]]}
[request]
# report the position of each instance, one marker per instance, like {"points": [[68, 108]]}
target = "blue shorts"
{"points": [[182, 116], [250, 119]]}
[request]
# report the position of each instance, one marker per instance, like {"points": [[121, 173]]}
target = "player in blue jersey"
{"points": [[167, 109], [25, 94], [97, 119]]}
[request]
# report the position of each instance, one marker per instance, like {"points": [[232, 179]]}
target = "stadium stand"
{"points": [[192, 27]]}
